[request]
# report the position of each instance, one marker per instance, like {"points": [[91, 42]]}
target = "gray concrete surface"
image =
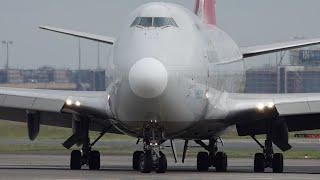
{"points": [[240, 144], [14, 166]]}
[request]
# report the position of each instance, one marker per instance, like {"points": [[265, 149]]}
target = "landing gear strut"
{"points": [[151, 158], [216, 159], [88, 156], [268, 159]]}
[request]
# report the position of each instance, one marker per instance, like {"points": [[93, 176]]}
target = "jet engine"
{"points": [[33, 123]]}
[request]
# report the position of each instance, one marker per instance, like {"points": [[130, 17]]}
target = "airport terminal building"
{"points": [[301, 76]]}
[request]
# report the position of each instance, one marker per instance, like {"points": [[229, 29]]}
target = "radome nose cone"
{"points": [[148, 78]]}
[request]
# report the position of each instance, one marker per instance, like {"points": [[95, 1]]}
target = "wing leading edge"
{"points": [[271, 48], [93, 37]]}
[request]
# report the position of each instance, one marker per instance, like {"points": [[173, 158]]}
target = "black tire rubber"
{"points": [[94, 160], [212, 157], [75, 160], [203, 161], [146, 162], [221, 162], [277, 163], [136, 160], [163, 165], [259, 163]]}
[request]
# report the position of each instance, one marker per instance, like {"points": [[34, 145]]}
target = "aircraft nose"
{"points": [[148, 78]]}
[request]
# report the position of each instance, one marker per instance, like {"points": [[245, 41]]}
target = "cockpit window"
{"points": [[163, 21], [136, 21], [154, 22], [145, 22]]}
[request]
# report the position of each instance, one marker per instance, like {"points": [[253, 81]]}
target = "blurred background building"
{"points": [[50, 78], [300, 75]]}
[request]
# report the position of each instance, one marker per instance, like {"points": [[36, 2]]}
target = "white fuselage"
{"points": [[165, 74]]}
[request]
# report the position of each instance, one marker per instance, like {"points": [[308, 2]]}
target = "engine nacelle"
{"points": [[279, 135], [33, 123]]}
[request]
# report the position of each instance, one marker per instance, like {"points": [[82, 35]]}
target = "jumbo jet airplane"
{"points": [[175, 75]]}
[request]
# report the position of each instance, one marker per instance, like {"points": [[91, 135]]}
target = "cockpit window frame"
{"points": [[168, 22]]}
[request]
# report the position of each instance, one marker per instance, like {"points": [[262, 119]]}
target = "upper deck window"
{"points": [[154, 22]]}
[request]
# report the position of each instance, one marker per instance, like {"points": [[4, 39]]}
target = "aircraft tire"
{"points": [[277, 163], [259, 163], [75, 160], [94, 160], [162, 166], [221, 162], [136, 160], [203, 161], [146, 162]]}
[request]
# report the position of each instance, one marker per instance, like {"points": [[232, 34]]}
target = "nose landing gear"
{"points": [[151, 158]]}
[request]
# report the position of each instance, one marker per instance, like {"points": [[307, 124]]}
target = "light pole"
{"points": [[98, 63], [7, 43], [79, 54]]}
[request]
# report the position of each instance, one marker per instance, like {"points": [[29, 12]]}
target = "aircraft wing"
{"points": [[103, 39], [271, 48], [55, 108], [251, 113]]}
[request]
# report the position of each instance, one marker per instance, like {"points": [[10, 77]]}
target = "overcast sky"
{"points": [[249, 22]]}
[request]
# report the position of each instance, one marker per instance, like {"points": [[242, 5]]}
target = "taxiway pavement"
{"points": [[31, 166]]}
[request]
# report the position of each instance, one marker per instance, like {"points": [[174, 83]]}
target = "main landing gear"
{"points": [[212, 158], [151, 158], [86, 156], [267, 159]]}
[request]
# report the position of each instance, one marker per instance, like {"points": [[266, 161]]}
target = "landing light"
{"points": [[263, 106], [270, 105], [69, 102], [78, 103], [260, 106]]}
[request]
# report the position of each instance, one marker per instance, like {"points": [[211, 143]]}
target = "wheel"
{"points": [[146, 162], [259, 162], [136, 160], [221, 162], [203, 161], [212, 157], [162, 164], [94, 160], [277, 163], [75, 160]]}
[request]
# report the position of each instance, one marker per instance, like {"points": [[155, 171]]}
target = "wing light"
{"points": [[77, 103], [260, 106], [270, 105], [69, 102], [263, 106]]}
